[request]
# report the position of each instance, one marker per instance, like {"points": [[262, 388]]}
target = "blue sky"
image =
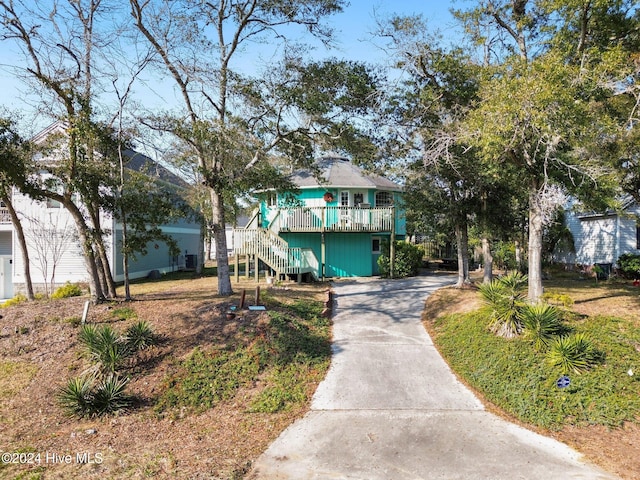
{"points": [[353, 29]]}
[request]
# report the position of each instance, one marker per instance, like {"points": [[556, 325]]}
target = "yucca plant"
{"points": [[75, 396], [572, 353], [506, 297], [541, 323], [140, 335], [110, 395], [81, 396], [105, 346]]}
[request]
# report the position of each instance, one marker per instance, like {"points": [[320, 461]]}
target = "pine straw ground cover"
{"points": [[173, 430], [604, 424]]}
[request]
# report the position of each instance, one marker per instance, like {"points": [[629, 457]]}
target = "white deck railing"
{"points": [[4, 216], [274, 251], [333, 219]]}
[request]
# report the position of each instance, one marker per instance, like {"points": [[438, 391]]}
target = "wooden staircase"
{"points": [[275, 252]]}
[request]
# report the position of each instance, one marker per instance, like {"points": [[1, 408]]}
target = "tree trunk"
{"points": [[224, 277], [17, 225], [462, 239], [535, 247], [488, 261], [108, 283], [125, 255], [84, 234]]}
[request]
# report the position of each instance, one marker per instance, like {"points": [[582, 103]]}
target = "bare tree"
{"points": [[51, 238]]}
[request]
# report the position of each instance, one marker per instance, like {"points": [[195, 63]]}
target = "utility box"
{"points": [[190, 262]]}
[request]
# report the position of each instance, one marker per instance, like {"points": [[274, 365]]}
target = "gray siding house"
{"points": [[602, 237]]}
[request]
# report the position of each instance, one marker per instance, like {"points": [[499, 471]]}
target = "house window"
{"points": [[384, 199], [358, 199], [53, 203], [375, 245], [272, 199], [344, 199]]}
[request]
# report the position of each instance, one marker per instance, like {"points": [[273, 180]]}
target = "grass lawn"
{"points": [[598, 412]]}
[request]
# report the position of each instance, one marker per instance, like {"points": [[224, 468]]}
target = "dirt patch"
{"points": [[616, 450], [218, 443]]}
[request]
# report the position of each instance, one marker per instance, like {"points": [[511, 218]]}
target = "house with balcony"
{"points": [[55, 253], [334, 226]]}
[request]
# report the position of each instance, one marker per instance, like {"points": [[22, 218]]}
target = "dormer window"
{"points": [[384, 199]]}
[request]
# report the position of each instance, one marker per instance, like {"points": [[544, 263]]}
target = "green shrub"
{"points": [[75, 396], [629, 265], [104, 346], [407, 259], [557, 299], [542, 323], [506, 298], [572, 353], [515, 376], [110, 396], [504, 256], [67, 290], [81, 396], [139, 336]]}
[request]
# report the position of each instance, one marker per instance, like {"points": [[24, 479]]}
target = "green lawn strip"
{"points": [[287, 355], [515, 377]]}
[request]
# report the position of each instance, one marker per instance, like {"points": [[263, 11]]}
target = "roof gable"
{"points": [[338, 172]]}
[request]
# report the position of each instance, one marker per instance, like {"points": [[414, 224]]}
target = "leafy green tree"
{"points": [[540, 109], [13, 154], [424, 115], [231, 122], [59, 47]]}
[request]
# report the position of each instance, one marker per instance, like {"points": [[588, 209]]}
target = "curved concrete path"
{"points": [[390, 408]]}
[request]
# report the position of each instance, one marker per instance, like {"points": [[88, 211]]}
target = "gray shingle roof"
{"points": [[339, 172]]}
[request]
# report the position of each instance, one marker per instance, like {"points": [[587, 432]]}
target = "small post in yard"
{"points": [[257, 299], [85, 312], [242, 298]]}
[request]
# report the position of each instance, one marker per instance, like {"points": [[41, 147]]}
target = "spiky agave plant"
{"points": [[110, 395]]}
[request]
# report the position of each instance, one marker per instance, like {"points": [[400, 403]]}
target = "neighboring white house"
{"points": [[602, 237], [52, 241]]}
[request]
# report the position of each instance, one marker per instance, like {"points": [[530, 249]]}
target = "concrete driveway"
{"points": [[390, 408]]}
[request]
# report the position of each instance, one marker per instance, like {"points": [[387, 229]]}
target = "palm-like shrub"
{"points": [[572, 353], [140, 336], [105, 346], [81, 396], [541, 323], [75, 395], [506, 297], [110, 395]]}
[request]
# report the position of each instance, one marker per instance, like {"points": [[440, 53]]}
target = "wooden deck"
{"points": [[331, 219]]}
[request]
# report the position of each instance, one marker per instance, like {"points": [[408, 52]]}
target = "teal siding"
{"points": [[158, 256], [348, 255]]}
